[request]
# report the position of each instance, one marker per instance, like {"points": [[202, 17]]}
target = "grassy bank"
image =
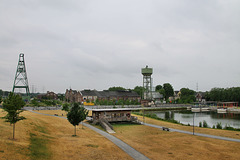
{"points": [[217, 132], [45, 137], [204, 124], [39, 143], [55, 135], [38, 147], [157, 144], [154, 116]]}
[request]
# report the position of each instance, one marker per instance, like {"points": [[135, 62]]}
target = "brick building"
{"points": [[48, 95], [73, 96], [93, 95]]}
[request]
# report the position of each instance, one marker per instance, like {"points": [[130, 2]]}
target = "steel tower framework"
{"points": [[147, 83], [21, 80]]}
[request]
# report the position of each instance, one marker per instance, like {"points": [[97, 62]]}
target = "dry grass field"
{"points": [[157, 144], [217, 132], [44, 137]]}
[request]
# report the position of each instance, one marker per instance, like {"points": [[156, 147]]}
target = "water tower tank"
{"points": [[147, 71]]}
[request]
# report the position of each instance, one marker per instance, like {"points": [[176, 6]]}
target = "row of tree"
{"points": [[224, 95]]}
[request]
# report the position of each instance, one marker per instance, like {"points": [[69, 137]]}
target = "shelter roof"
{"points": [[114, 109]]}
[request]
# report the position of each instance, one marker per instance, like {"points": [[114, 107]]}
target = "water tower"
{"points": [[147, 83]]}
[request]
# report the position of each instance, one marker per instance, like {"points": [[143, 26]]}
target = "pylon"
{"points": [[21, 80]]}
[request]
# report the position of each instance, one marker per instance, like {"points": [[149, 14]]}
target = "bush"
{"points": [[213, 127], [219, 125], [205, 125], [200, 124], [228, 127]]}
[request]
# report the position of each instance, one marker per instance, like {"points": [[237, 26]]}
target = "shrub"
{"points": [[213, 127], [219, 125], [205, 125], [200, 124], [228, 127]]}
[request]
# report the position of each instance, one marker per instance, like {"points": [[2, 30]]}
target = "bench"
{"points": [[165, 129]]}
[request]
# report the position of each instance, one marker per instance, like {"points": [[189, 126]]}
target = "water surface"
{"points": [[212, 118]]}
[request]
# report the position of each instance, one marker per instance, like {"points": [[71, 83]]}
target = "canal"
{"points": [[212, 118]]}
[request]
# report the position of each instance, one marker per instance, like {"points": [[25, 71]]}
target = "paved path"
{"points": [[124, 146], [108, 129], [198, 134]]}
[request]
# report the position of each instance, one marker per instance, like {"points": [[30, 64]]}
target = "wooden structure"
{"points": [[113, 115]]}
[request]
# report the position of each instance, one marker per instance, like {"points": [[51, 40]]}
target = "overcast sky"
{"points": [[96, 44]]}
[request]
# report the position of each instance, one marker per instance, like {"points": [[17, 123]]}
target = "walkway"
{"points": [[198, 134], [108, 129], [124, 146]]}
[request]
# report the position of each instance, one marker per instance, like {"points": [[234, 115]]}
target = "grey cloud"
{"points": [[97, 44]]}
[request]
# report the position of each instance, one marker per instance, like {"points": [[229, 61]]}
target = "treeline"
{"points": [[224, 95], [4, 93]]}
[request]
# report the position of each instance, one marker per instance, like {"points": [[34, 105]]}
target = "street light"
{"points": [[193, 123]]}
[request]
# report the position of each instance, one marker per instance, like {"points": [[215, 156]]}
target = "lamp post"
{"points": [[193, 123]]}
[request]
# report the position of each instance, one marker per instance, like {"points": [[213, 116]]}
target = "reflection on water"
{"points": [[169, 115], [212, 118]]}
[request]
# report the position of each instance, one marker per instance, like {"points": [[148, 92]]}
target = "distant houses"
{"points": [[48, 95], [94, 95], [200, 97], [176, 96]]}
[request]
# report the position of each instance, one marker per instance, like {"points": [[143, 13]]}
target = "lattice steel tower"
{"points": [[21, 80], [147, 83]]}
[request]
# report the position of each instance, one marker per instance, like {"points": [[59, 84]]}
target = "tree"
{"points": [[76, 115], [61, 97], [158, 88], [13, 105], [139, 90], [0, 99], [187, 95], [35, 102], [117, 89], [65, 107], [162, 92], [168, 90], [221, 94]]}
